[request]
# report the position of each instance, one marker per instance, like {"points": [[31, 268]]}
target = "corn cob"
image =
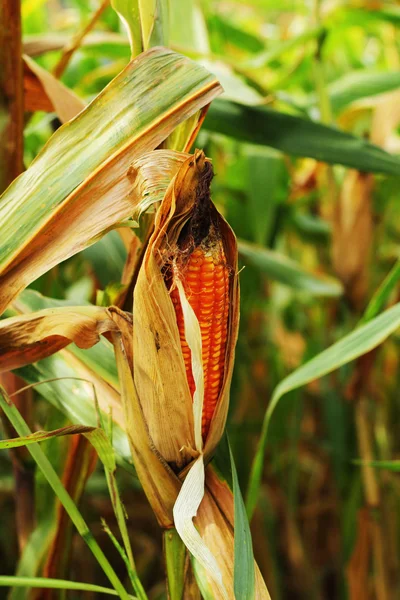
{"points": [[205, 279]]}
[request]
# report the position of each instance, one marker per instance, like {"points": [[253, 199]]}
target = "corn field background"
{"points": [[304, 142]]}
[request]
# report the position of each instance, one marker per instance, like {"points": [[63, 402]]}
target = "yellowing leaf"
{"points": [[81, 185]]}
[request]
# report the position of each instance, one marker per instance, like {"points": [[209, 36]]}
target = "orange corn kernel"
{"points": [[205, 279]]}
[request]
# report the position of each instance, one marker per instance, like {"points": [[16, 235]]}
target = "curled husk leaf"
{"points": [[215, 523], [159, 368]]}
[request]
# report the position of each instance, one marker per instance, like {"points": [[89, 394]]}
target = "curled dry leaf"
{"points": [[28, 338]]}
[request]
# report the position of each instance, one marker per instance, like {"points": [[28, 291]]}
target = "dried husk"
{"points": [[159, 369], [215, 523]]}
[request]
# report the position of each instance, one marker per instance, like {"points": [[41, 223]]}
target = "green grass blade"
{"points": [[103, 445], [55, 584], [54, 481], [298, 136], [280, 268], [244, 576], [381, 295], [355, 344]]}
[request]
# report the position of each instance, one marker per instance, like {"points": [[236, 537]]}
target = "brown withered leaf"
{"points": [[353, 220], [352, 234], [28, 338], [358, 566], [42, 91]]}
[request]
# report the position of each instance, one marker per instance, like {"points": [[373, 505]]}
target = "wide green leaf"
{"points": [[280, 268], [355, 344], [298, 136]]}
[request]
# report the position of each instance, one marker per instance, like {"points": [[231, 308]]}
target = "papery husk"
{"points": [[159, 482], [159, 369], [215, 523]]}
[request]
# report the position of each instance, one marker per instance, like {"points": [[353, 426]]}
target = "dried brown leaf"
{"points": [[352, 234], [28, 338], [42, 91]]}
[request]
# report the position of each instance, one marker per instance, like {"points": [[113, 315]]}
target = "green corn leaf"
{"points": [[381, 295], [266, 57], [298, 136], [355, 344], [280, 268], [175, 555], [128, 11]]}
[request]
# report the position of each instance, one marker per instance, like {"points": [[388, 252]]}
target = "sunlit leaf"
{"points": [[62, 215], [359, 84]]}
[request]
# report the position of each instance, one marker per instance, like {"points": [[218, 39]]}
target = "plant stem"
{"points": [[11, 93]]}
